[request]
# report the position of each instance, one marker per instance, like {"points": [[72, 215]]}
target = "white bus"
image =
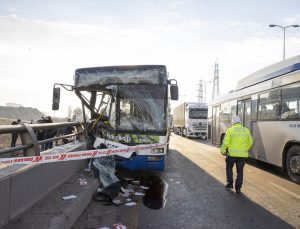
{"points": [[268, 103]]}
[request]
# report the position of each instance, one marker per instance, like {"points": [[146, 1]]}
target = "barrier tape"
{"points": [[79, 155]]}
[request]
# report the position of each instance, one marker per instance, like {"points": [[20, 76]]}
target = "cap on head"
{"points": [[235, 119]]}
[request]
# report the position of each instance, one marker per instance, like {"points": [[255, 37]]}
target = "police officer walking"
{"points": [[236, 146]]}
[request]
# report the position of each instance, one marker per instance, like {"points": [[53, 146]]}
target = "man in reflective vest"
{"points": [[236, 146]]}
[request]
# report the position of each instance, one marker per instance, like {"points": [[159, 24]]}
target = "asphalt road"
{"points": [[196, 197]]}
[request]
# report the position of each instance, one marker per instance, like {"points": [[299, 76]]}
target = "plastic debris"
{"points": [[130, 204], [137, 182], [130, 189], [119, 226], [139, 194], [119, 199], [69, 197], [106, 170], [88, 169], [127, 179], [82, 181], [144, 187]]}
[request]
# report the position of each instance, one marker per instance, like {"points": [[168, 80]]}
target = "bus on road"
{"points": [[127, 106], [268, 103]]}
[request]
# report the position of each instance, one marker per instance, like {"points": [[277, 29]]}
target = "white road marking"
{"points": [[285, 190]]}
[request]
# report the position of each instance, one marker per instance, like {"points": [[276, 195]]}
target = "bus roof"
{"points": [[270, 72], [262, 80], [129, 74]]}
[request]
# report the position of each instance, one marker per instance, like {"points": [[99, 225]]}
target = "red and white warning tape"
{"points": [[79, 155]]}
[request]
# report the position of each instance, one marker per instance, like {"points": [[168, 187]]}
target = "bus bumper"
{"points": [[142, 162]]}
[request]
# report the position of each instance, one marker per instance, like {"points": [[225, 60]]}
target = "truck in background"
{"points": [[190, 119]]}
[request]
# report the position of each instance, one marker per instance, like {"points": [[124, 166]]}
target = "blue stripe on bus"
{"points": [[272, 75]]}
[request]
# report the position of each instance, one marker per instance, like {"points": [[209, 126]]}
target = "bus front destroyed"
{"points": [[127, 106]]}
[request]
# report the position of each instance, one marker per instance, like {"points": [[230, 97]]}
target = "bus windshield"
{"points": [[142, 107], [198, 113]]}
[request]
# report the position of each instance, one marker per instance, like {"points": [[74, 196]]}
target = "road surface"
{"points": [[196, 197]]}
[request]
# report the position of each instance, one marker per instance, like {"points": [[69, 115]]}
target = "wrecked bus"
{"points": [[127, 105]]}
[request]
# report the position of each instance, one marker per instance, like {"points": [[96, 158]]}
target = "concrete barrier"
{"points": [[21, 186]]}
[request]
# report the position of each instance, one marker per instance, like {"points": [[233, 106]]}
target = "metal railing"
{"points": [[30, 143]]}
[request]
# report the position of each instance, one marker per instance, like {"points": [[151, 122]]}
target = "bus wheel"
{"points": [[293, 163]]}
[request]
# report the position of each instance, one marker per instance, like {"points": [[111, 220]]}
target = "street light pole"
{"points": [[283, 28]]}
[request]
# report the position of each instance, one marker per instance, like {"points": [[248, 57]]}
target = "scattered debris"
{"points": [[139, 194], [128, 179], [144, 187], [136, 182], [119, 199], [82, 181], [130, 204], [104, 168], [69, 197], [119, 226]]}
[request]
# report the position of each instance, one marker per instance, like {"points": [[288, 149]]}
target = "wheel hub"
{"points": [[295, 164]]}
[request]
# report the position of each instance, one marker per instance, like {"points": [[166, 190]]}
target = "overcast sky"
{"points": [[43, 42]]}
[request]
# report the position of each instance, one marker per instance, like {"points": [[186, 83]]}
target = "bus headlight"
{"points": [[157, 150]]}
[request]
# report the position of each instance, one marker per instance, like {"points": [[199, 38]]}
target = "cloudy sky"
{"points": [[43, 42]]}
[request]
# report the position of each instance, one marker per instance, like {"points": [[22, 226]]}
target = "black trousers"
{"points": [[240, 163], [14, 137]]}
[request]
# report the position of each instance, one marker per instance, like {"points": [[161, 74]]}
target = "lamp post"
{"points": [[283, 28]]}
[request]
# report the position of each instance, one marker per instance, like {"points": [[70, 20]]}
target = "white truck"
{"points": [[190, 119]]}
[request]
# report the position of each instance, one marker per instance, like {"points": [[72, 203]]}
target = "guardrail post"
{"points": [[29, 137]]}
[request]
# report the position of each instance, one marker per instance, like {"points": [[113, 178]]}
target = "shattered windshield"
{"points": [[197, 113], [141, 107]]}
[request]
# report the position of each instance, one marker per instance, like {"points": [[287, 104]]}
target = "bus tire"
{"points": [[293, 163]]}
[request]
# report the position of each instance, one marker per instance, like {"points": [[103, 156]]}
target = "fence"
{"points": [[30, 144]]}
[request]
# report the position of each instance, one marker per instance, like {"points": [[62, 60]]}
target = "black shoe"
{"points": [[238, 191], [229, 186]]}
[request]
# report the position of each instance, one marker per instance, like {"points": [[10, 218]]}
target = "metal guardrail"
{"points": [[30, 144]]}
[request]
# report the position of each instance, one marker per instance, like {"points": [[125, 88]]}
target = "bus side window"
{"points": [[290, 107], [269, 105]]}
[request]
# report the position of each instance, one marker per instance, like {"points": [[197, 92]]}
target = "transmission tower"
{"points": [[200, 91], [216, 91]]}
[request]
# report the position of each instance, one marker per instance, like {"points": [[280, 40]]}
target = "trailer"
{"points": [[190, 120]]}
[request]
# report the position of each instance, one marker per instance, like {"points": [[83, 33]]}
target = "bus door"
{"points": [[244, 111], [216, 125]]}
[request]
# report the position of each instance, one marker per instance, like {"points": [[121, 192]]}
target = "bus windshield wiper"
{"points": [[130, 121]]}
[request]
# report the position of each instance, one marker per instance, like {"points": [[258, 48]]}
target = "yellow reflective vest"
{"points": [[238, 141]]}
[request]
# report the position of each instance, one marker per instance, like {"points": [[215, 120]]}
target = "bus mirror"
{"points": [[55, 98], [174, 92]]}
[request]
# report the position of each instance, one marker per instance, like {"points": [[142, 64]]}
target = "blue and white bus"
{"points": [[128, 105], [268, 103]]}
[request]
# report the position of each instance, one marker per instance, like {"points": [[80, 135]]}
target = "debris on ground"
{"points": [[82, 181], [69, 197], [119, 226], [130, 204]]}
